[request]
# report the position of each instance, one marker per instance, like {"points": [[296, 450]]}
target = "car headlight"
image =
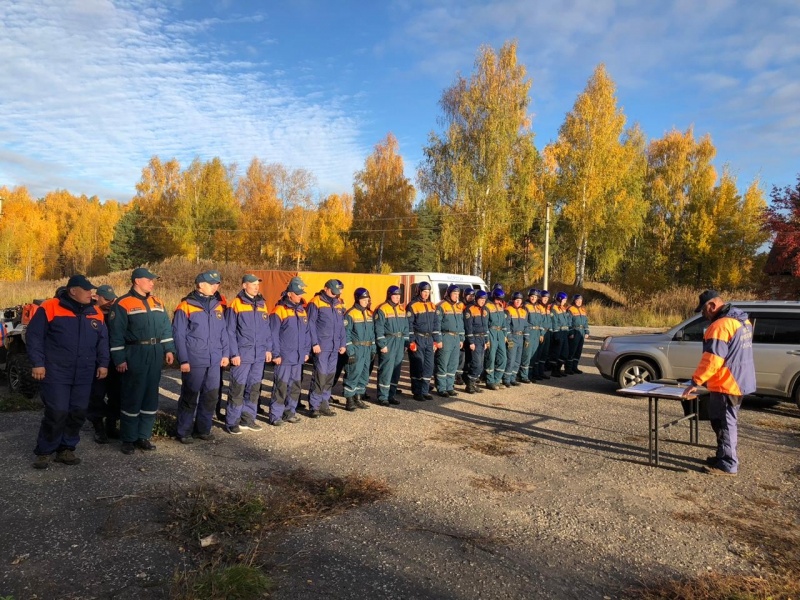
{"points": [[606, 343]]}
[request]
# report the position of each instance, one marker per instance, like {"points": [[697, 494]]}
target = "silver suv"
{"points": [[631, 359]]}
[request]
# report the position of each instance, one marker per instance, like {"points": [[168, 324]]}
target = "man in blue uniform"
{"points": [[250, 341], [543, 353], [496, 355], [101, 414], [391, 337], [578, 332], [450, 313], [291, 341], [67, 343], [201, 338], [328, 342], [476, 327], [360, 328], [424, 339], [527, 367], [468, 296], [517, 319], [559, 343], [141, 339]]}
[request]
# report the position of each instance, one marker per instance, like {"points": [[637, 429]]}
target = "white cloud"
{"points": [[93, 89]]}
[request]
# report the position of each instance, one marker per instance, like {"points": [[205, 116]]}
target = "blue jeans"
{"points": [[723, 411]]}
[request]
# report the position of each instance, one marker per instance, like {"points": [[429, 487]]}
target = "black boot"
{"points": [[360, 401], [350, 404]]}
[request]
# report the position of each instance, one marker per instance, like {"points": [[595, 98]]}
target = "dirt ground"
{"points": [[537, 491]]}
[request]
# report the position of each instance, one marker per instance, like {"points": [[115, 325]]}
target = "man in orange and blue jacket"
{"points": [[67, 343], [328, 341], [291, 345], [250, 341], [728, 371], [201, 337]]}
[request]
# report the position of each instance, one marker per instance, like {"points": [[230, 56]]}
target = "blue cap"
{"points": [[452, 288], [296, 286], [392, 290], [81, 282], [361, 293], [249, 278], [107, 292], [142, 273], [468, 291], [211, 277], [498, 292], [335, 286], [423, 286], [534, 292], [576, 296], [561, 296], [480, 294], [545, 294], [516, 296]]}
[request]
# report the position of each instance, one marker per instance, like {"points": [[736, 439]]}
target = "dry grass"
{"points": [[484, 441], [224, 529], [770, 534], [775, 425], [10, 402]]}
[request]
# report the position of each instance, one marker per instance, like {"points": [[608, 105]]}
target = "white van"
{"points": [[439, 284]]}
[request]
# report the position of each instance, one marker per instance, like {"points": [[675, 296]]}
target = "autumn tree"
{"points": [[600, 171], [329, 248], [680, 177], [158, 195], [294, 190], [423, 246], [207, 211], [382, 201], [479, 167], [261, 211], [783, 223], [26, 238]]}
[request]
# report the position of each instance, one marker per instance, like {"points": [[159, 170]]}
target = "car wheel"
{"points": [[797, 395], [19, 376], [635, 371]]}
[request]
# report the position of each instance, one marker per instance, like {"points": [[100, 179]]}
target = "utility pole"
{"points": [[546, 247]]}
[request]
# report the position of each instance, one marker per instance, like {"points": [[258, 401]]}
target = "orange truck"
{"points": [[274, 283]]}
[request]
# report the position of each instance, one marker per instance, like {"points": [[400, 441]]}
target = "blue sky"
{"points": [[91, 89]]}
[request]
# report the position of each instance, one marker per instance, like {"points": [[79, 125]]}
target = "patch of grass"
{"points": [[775, 425], [222, 582], [490, 443], [166, 424], [10, 402], [769, 531], [718, 586], [222, 528]]}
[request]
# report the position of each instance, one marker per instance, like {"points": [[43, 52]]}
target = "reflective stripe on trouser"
{"points": [[723, 411], [139, 392], [527, 365], [64, 414], [514, 358], [420, 365], [389, 364], [356, 375], [496, 357], [474, 360], [446, 359], [199, 389], [98, 407], [244, 393], [322, 378], [575, 350], [286, 387]]}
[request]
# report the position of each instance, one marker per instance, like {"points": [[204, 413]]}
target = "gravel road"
{"points": [[538, 491]]}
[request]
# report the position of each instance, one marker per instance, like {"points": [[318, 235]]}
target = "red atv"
{"points": [[13, 354]]}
